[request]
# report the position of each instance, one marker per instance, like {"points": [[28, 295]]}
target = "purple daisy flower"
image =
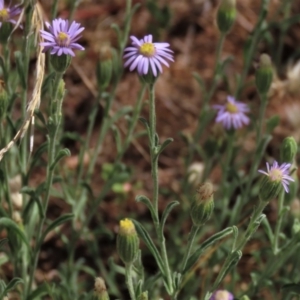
{"points": [[61, 38], [145, 55], [232, 114], [8, 13], [280, 174], [221, 295]]}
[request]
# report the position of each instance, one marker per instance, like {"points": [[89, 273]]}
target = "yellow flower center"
{"points": [[4, 15], [231, 108], [63, 39], [147, 49], [126, 227], [276, 175]]}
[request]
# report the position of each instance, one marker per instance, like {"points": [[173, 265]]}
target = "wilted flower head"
{"points": [[8, 13], [279, 174], [144, 55], [61, 38], [221, 295], [232, 115]]}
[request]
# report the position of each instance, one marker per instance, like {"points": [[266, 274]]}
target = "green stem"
{"points": [[54, 9], [129, 282], [155, 179], [226, 168], [154, 158], [126, 25], [26, 56], [75, 3], [135, 116], [242, 242], [191, 239], [278, 224], [104, 129], [257, 157], [164, 255], [249, 231], [49, 179], [262, 111], [282, 32], [253, 45], [83, 150]]}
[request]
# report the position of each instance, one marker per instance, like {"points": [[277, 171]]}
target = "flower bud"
{"points": [[195, 173], [100, 291], [264, 74], [104, 68], [269, 189], [203, 204], [60, 63], [3, 101], [127, 241], [288, 149], [226, 15]]}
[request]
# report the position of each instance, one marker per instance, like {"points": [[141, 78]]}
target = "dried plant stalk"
{"points": [[36, 25]]}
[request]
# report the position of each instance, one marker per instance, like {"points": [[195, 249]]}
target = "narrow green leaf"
{"points": [[29, 206], [11, 285], [42, 290], [47, 84], [230, 262], [145, 122], [116, 28], [272, 123], [20, 69], [235, 232], [2, 65], [38, 153], [74, 136], [120, 113], [263, 145], [216, 237], [9, 224], [166, 213], [61, 154], [200, 82], [28, 191], [164, 145], [59, 221], [149, 243], [117, 137], [89, 189], [147, 202]]}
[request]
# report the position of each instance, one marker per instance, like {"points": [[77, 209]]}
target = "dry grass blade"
{"points": [[36, 26]]}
